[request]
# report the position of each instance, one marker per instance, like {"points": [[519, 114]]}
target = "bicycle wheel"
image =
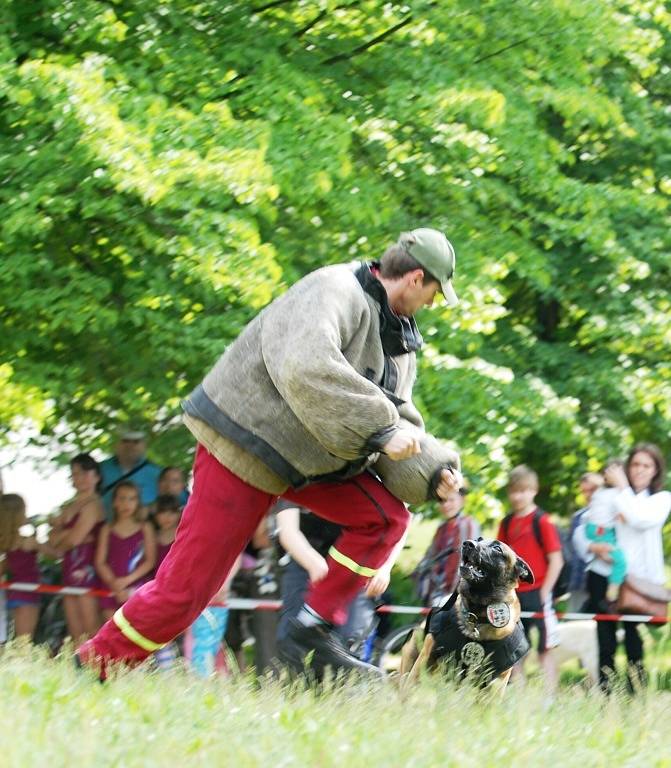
{"points": [[389, 654]]}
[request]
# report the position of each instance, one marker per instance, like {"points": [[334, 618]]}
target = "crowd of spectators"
{"points": [[113, 534], [615, 535], [123, 516]]}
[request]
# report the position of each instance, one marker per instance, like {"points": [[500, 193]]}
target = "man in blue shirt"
{"points": [[130, 463]]}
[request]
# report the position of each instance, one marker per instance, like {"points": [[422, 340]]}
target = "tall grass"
{"points": [[53, 716]]}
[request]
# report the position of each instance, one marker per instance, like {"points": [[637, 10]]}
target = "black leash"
{"points": [[448, 605], [124, 477]]}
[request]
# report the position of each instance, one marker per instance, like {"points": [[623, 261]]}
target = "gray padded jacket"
{"points": [[314, 386]]}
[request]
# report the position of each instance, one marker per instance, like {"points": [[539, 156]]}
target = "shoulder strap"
{"points": [[126, 476], [536, 525]]}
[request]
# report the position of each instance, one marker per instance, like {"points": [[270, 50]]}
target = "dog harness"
{"points": [[485, 659]]}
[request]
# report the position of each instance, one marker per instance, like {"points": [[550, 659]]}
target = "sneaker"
{"points": [[319, 647]]}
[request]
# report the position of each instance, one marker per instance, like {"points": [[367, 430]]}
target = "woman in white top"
{"points": [[641, 508]]}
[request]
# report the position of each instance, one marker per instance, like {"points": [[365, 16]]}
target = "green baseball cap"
{"points": [[435, 252]]}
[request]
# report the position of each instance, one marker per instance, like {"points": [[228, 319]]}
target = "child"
{"points": [[166, 519], [544, 558], [599, 522], [20, 564], [171, 482], [589, 484], [256, 579], [441, 579], [74, 535], [126, 551], [203, 640]]}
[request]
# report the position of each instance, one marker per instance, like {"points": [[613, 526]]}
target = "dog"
{"points": [[479, 627], [578, 640]]}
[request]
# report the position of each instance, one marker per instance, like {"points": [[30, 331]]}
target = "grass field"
{"points": [[52, 716]]}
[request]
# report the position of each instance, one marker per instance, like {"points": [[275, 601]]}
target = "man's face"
{"points": [[521, 497], [128, 452], [415, 293]]}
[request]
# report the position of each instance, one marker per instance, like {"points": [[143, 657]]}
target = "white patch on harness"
{"points": [[498, 614], [472, 654]]}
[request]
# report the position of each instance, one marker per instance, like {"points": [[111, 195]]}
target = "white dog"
{"points": [[577, 639]]}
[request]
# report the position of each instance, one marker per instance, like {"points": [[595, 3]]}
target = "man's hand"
{"points": [[450, 481], [402, 445]]}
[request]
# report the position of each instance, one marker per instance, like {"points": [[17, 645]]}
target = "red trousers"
{"points": [[218, 521]]}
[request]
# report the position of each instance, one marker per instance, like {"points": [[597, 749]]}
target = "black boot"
{"points": [[317, 647]]}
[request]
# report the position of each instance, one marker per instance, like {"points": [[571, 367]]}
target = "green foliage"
{"points": [[168, 168], [51, 715]]}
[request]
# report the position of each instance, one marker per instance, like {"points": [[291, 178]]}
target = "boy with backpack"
{"points": [[534, 537]]}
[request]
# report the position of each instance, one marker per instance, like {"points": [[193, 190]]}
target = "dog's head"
{"points": [[490, 568]]}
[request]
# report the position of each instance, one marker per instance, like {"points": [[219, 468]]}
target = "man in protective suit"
{"points": [[311, 403]]}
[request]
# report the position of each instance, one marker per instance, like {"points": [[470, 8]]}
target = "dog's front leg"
{"points": [[420, 662], [410, 651], [499, 684]]}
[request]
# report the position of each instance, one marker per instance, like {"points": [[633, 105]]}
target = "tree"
{"points": [[168, 168]]}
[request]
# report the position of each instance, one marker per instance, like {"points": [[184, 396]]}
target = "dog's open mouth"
{"points": [[471, 567], [471, 572]]}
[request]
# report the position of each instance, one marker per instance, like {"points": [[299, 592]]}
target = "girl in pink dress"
{"points": [[74, 534], [126, 551], [19, 564]]}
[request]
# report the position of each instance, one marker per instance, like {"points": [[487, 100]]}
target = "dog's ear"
{"points": [[524, 573]]}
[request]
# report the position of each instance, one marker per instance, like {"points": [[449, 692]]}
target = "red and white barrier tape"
{"points": [[237, 603], [247, 604], [53, 589], [411, 609]]}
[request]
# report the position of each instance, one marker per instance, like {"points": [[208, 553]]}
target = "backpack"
{"points": [[561, 586]]}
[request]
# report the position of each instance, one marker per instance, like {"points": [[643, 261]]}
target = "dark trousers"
{"points": [[596, 603], [295, 583], [265, 586]]}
